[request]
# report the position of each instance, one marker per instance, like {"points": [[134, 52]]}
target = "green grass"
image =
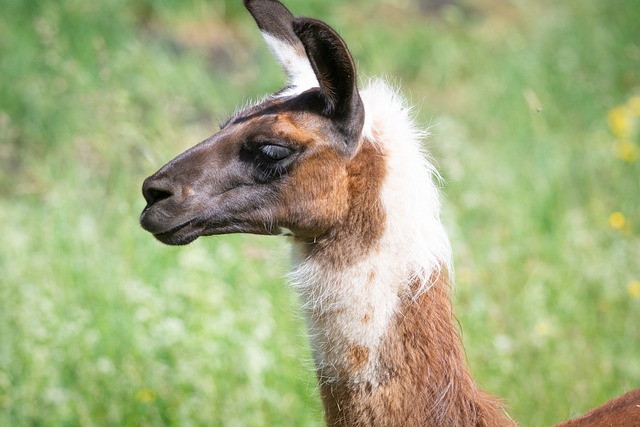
{"points": [[101, 325]]}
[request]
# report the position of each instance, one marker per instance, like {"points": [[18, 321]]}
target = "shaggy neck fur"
{"points": [[376, 295]]}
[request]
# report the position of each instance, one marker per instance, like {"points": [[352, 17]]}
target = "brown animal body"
{"points": [[341, 172], [623, 411]]}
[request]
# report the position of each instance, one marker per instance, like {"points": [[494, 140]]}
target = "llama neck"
{"points": [[375, 291], [386, 356]]}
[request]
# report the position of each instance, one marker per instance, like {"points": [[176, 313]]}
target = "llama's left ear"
{"points": [[336, 73], [275, 23]]}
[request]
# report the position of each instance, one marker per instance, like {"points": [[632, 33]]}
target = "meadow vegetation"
{"points": [[534, 110]]}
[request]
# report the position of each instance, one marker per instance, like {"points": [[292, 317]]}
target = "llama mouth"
{"points": [[180, 235]]}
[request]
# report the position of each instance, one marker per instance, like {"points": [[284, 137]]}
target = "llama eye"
{"points": [[275, 152]]}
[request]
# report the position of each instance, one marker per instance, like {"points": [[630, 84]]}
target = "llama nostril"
{"points": [[153, 193]]}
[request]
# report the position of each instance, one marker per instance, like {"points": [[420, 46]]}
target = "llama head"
{"points": [[277, 166]]}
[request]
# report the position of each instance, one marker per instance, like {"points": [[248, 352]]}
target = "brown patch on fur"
{"points": [[187, 190], [311, 203], [623, 411], [366, 318], [372, 276], [358, 356], [422, 379], [353, 236], [285, 127]]}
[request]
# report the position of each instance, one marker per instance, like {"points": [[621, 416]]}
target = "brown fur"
{"points": [[358, 356], [623, 411], [422, 377], [352, 236], [285, 126]]}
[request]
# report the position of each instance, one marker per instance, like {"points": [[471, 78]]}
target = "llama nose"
{"points": [[155, 190]]}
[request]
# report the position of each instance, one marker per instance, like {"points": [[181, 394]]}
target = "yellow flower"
{"points": [[619, 119], [634, 105], [145, 395], [617, 220], [626, 150], [633, 288]]}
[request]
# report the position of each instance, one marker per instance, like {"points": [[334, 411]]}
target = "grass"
{"points": [[101, 325]]}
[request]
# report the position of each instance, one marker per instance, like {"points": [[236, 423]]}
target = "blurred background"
{"points": [[534, 110]]}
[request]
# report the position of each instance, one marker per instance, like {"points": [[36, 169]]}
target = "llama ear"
{"points": [[336, 73], [276, 25]]}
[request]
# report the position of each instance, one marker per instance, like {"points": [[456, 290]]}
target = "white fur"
{"points": [[297, 67], [345, 308]]}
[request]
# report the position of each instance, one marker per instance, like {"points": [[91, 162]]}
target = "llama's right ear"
{"points": [[276, 25], [336, 73]]}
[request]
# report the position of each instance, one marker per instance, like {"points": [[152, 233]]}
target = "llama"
{"points": [[342, 174]]}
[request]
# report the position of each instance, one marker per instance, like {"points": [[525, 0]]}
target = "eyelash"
{"points": [[275, 152]]}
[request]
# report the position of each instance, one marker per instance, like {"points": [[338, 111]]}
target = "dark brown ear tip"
{"points": [[247, 3], [266, 7]]}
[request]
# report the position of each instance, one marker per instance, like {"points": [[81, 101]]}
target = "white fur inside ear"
{"points": [[295, 64]]}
